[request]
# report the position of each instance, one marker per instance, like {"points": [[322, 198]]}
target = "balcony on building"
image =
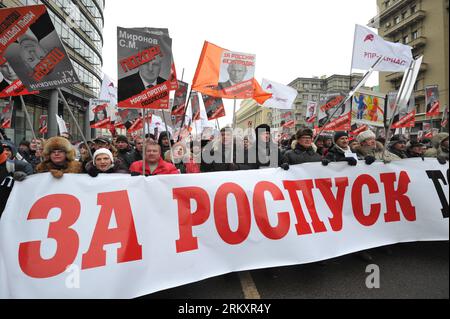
{"points": [[413, 18], [418, 43], [393, 77]]}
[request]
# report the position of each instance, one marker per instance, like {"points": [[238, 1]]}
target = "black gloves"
{"points": [[442, 160], [285, 166], [19, 176], [325, 162], [351, 161], [135, 174], [93, 172], [370, 160]]}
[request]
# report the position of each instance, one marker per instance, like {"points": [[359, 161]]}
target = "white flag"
{"points": [[61, 125], [283, 96], [368, 46]]}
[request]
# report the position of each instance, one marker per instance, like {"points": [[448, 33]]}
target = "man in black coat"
{"points": [[340, 151], [303, 151], [268, 155], [220, 156]]}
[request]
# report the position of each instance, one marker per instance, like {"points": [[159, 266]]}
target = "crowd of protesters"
{"points": [[162, 155]]}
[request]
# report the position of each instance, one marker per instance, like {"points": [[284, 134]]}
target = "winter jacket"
{"points": [[301, 155], [70, 167], [224, 155], [400, 154], [163, 168], [116, 169], [126, 157], [364, 151], [438, 151], [336, 154]]}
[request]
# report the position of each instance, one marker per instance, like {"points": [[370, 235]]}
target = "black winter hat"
{"points": [[338, 135]]}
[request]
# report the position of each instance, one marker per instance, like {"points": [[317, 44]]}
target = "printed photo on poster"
{"points": [[6, 113], [214, 107], [195, 104], [10, 84], [37, 55], [145, 66], [99, 115], [180, 98], [43, 124], [432, 100], [311, 112], [236, 68], [126, 117], [327, 108]]}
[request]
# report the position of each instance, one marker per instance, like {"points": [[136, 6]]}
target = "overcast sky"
{"points": [[291, 38]]}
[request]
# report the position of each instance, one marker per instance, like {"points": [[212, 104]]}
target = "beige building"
{"points": [[311, 89], [251, 115], [423, 25]]}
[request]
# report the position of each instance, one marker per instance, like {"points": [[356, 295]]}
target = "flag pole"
{"points": [[234, 127], [350, 95], [168, 135], [184, 115], [145, 140], [397, 100], [76, 122], [27, 115]]}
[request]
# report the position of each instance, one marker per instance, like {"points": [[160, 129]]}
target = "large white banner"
{"points": [[369, 46], [121, 237]]}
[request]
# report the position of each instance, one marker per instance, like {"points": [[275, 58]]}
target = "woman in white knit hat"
{"points": [[104, 163]]}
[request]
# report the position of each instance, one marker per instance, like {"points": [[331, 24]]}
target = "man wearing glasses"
{"points": [[302, 150]]}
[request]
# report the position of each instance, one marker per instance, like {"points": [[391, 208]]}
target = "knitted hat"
{"points": [[364, 136], [104, 151], [338, 135]]}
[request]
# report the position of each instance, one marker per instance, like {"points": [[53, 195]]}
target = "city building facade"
{"points": [[79, 23], [423, 25]]}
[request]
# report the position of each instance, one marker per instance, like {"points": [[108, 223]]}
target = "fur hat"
{"points": [[103, 151], [304, 132], [59, 143], [364, 136]]}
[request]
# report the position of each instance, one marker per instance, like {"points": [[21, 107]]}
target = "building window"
{"points": [[306, 86], [397, 20], [305, 96], [415, 35], [406, 40], [404, 15], [413, 9], [387, 4]]}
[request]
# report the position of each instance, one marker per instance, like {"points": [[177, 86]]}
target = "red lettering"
{"points": [[261, 215], [221, 214], [125, 233], [306, 186], [336, 204], [357, 200], [187, 219], [397, 195], [67, 241]]}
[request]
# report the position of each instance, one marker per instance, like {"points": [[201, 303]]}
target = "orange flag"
{"points": [[227, 74]]}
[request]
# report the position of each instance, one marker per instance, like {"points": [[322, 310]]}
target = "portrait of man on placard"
{"points": [[7, 76], [235, 69]]}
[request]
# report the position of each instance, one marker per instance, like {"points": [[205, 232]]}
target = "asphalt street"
{"points": [[408, 271]]}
